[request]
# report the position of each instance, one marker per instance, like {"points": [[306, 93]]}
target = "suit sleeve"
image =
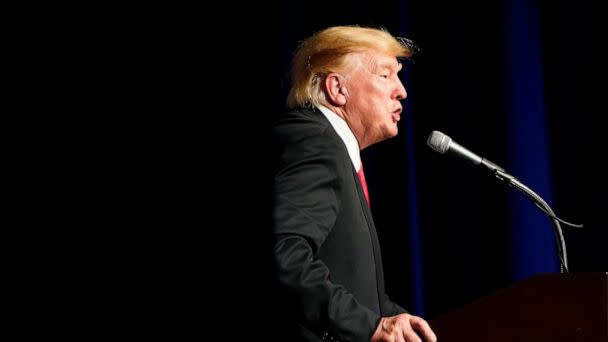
{"points": [[307, 202], [390, 308]]}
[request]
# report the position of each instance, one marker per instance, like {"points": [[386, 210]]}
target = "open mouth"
{"points": [[397, 114]]}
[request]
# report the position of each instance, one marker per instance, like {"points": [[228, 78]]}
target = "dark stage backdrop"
{"points": [[521, 83], [517, 82]]}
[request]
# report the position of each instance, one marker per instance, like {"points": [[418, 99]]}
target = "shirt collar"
{"points": [[347, 136]]}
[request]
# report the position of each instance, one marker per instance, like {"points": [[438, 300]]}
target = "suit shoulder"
{"points": [[306, 136], [304, 127], [301, 120]]}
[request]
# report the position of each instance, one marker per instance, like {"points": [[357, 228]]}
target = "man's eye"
{"points": [[384, 76]]}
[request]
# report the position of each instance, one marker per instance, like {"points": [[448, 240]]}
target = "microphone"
{"points": [[443, 144]]}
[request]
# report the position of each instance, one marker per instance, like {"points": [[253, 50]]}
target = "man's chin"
{"points": [[394, 130], [391, 134]]}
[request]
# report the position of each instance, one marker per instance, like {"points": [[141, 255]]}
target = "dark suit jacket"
{"points": [[326, 247]]}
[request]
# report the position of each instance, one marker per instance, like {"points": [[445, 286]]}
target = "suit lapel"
{"points": [[368, 217], [374, 238]]}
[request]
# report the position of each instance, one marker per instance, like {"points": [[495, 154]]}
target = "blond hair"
{"points": [[327, 51]]}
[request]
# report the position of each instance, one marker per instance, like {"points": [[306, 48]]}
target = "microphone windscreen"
{"points": [[439, 141]]}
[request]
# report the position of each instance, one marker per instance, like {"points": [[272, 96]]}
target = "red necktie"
{"points": [[363, 183]]}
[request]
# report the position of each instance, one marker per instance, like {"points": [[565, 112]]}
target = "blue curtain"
{"points": [[532, 244]]}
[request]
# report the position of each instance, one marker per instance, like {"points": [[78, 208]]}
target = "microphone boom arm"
{"points": [[559, 236]]}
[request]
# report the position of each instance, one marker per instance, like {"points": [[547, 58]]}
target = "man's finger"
{"points": [[423, 327], [411, 336]]}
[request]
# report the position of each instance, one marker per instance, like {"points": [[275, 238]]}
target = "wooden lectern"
{"points": [[571, 307]]}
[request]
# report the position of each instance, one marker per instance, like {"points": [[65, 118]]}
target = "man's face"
{"points": [[373, 105]]}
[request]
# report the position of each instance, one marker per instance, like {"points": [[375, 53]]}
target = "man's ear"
{"points": [[335, 88]]}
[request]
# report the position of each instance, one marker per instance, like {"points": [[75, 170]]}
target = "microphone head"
{"points": [[439, 141]]}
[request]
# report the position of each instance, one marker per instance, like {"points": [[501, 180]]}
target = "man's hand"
{"points": [[403, 328]]}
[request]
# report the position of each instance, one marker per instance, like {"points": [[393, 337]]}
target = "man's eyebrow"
{"points": [[390, 66]]}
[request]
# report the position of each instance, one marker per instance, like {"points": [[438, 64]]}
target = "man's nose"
{"points": [[400, 92]]}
